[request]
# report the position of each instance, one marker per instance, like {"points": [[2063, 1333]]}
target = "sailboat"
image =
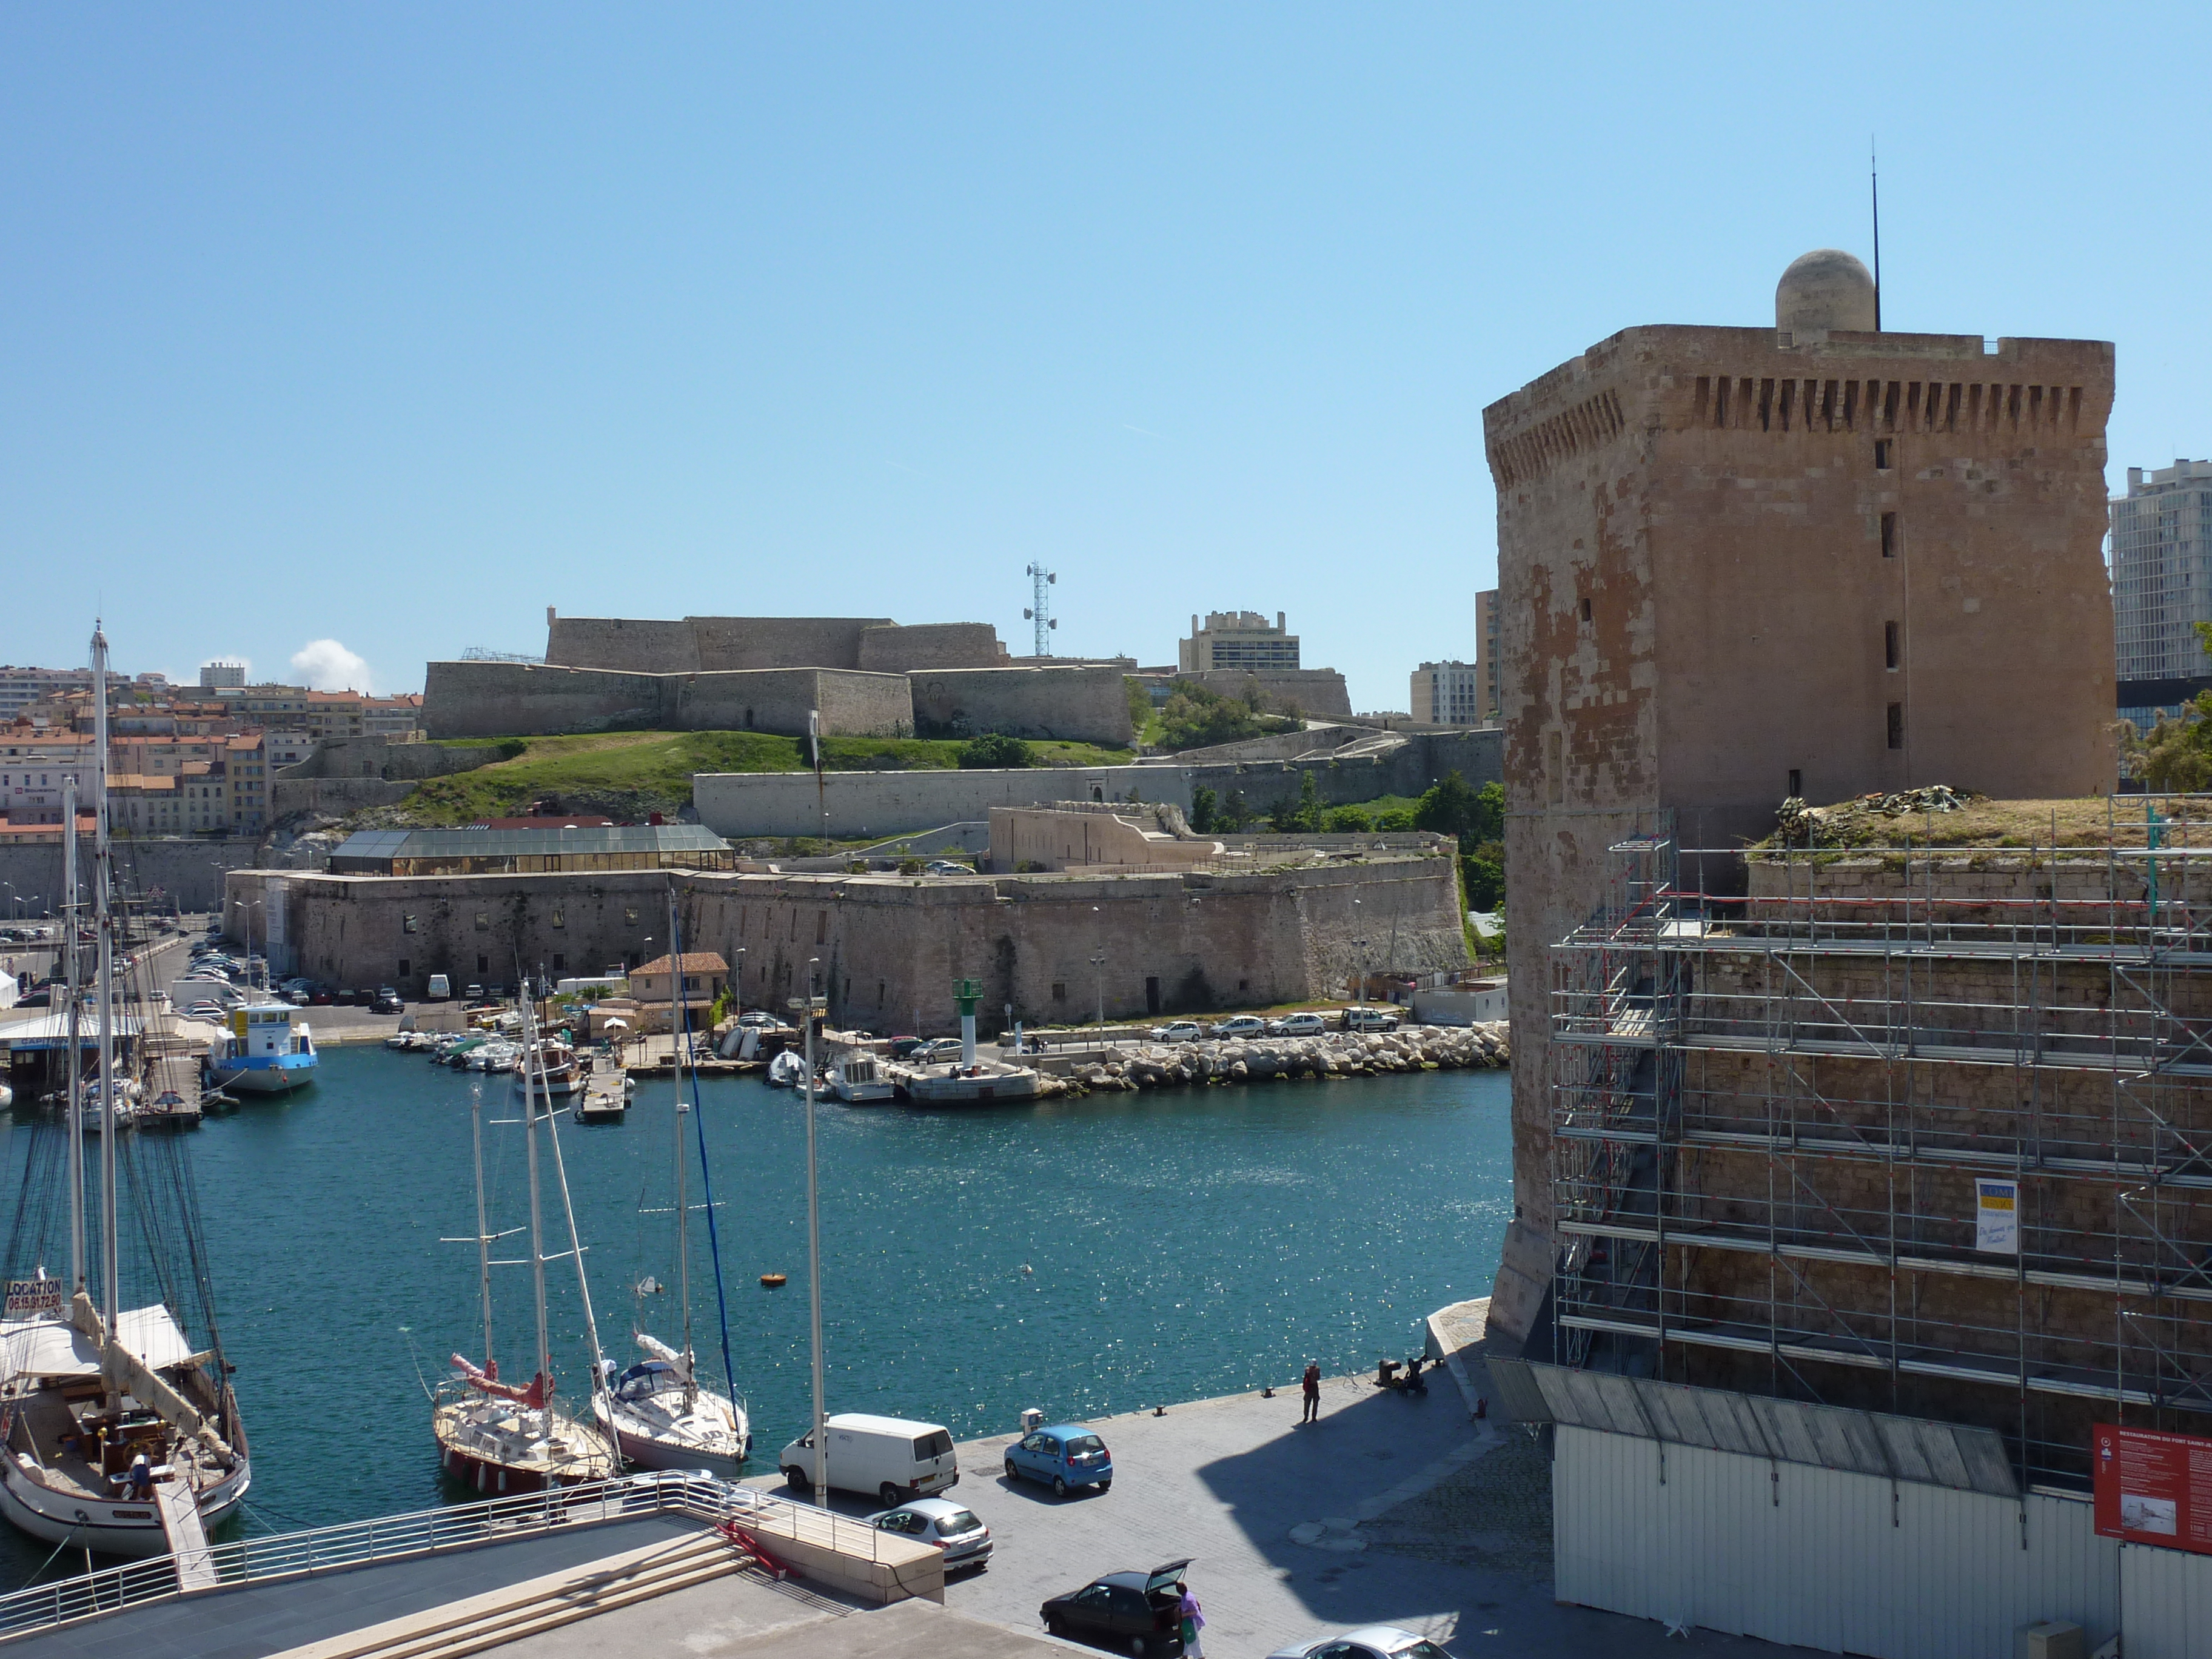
{"points": [[657, 1410], [122, 1431], [493, 1434]]}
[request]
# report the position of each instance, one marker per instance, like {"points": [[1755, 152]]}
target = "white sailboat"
{"points": [[122, 1432], [657, 1410], [494, 1436]]}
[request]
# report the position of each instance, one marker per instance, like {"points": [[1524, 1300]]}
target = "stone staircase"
{"points": [[537, 1604]]}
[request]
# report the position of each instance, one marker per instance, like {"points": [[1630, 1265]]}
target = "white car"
{"points": [[1180, 1031], [947, 868], [953, 1528], [1240, 1025], [1369, 1642], [1369, 1019], [207, 1010], [1297, 1025]]}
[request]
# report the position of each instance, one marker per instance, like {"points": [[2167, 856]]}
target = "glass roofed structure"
{"points": [[529, 852]]}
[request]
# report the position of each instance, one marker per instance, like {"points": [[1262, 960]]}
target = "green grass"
{"points": [[651, 771]]}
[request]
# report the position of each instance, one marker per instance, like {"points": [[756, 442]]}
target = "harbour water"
{"points": [[1084, 1257]]}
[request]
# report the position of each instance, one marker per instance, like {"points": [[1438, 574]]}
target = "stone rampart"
{"points": [[892, 803], [623, 644], [187, 869], [892, 649], [736, 643], [380, 757], [498, 699], [889, 947], [1319, 692], [1082, 705]]}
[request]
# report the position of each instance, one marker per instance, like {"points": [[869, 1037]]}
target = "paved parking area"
{"points": [[1390, 1509]]}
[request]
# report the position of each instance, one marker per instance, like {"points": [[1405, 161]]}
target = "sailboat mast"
{"points": [[103, 922], [537, 1231], [676, 1133], [484, 1236], [567, 1208], [74, 1113]]}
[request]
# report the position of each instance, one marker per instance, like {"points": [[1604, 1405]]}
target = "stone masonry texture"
{"points": [[1734, 562]]}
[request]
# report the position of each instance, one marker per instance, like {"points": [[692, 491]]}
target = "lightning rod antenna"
{"points": [[1873, 177]]}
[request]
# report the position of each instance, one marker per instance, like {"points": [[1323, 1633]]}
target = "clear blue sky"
{"points": [[393, 325]]}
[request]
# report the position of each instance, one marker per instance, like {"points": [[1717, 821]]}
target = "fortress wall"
{"points": [[889, 947], [1087, 705], [621, 643], [723, 643], [864, 705], [513, 699], [894, 650], [1319, 692], [380, 757]]}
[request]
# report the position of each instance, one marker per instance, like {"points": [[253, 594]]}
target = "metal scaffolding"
{"points": [[1770, 1112]]}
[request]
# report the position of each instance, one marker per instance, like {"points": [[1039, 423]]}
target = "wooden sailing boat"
{"points": [[492, 1435], [122, 1431], [658, 1412]]}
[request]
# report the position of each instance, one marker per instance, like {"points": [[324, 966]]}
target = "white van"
{"points": [[440, 989], [896, 1460]]}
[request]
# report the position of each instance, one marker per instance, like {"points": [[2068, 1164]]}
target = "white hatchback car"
{"points": [[1240, 1025], [1369, 1642], [953, 1528], [1297, 1025], [1180, 1031]]}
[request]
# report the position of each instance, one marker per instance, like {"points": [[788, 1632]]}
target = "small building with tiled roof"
{"points": [[703, 974]]}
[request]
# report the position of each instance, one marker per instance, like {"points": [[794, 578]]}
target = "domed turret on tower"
{"points": [[1827, 289]]}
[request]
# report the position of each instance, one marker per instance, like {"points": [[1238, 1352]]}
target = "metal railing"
{"points": [[427, 1532]]}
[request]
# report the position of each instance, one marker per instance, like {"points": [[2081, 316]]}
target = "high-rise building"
{"points": [[2161, 585], [221, 674], [1238, 640], [1448, 694], [1485, 653]]}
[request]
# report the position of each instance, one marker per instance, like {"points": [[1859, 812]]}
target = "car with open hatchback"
{"points": [[1135, 1613]]}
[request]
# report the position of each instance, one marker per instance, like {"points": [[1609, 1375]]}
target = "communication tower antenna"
{"points": [[1039, 611], [1874, 181]]}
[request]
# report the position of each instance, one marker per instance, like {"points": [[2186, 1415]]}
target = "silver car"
{"points": [[1369, 1642], [1239, 1025], [1297, 1025], [952, 1527]]}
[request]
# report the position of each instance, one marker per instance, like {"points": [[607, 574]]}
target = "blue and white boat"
{"points": [[264, 1052]]}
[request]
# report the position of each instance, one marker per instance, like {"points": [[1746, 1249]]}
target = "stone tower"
{"points": [[1736, 564]]}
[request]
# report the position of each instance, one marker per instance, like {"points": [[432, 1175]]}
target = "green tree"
{"points": [[1349, 821], [994, 751], [1204, 808], [1482, 873], [1141, 703], [1197, 718], [1301, 816], [1395, 822]]}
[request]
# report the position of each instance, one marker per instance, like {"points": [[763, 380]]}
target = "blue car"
{"points": [[1064, 1456]]}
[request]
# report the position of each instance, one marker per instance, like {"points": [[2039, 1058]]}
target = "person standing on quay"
{"points": [[1312, 1381], [1193, 1622]]}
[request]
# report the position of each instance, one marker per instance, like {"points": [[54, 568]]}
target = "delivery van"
{"points": [[440, 989], [896, 1460]]}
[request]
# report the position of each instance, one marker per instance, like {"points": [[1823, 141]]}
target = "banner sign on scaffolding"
{"points": [[1996, 1217], [2153, 1488]]}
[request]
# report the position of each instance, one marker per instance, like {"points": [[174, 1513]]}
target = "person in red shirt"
{"points": [[1311, 1382]]}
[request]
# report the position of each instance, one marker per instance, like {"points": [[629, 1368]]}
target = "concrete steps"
{"points": [[537, 1604]]}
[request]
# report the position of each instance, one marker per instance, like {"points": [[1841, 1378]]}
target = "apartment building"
{"points": [[1491, 692], [1238, 640], [1448, 694], [2161, 585]]}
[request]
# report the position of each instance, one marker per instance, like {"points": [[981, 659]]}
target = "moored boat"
{"points": [[265, 1051]]}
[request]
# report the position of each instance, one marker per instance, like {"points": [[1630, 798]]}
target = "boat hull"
{"points": [[260, 1079], [647, 1453], [107, 1527], [496, 1480]]}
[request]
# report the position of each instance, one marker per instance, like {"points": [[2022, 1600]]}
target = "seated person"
{"points": [[138, 1483]]}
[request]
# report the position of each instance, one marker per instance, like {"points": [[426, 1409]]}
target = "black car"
{"points": [[1137, 1613], [387, 1000]]}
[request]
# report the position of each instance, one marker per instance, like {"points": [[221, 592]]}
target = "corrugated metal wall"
{"points": [[2165, 1597], [1842, 1561]]}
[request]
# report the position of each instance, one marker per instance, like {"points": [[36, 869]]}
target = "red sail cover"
{"points": [[533, 1397], [2153, 1488]]}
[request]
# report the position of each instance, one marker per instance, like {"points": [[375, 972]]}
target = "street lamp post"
{"points": [[812, 1007], [1099, 974]]}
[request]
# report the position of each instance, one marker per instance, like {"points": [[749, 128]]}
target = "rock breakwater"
{"points": [[1414, 1048]]}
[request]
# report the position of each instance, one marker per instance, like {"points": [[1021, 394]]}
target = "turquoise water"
{"points": [[1084, 1257]]}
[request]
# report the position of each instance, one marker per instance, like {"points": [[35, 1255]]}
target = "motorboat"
{"points": [[787, 1070], [857, 1078], [267, 1050], [552, 1067]]}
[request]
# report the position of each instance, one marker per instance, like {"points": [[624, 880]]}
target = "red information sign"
{"points": [[2153, 1488]]}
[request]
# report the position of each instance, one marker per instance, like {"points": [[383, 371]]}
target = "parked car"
{"points": [[1138, 1612], [759, 1017], [207, 1010], [387, 1000], [895, 1459], [936, 1052], [947, 868], [964, 1539], [1178, 1030], [1066, 1455], [440, 989], [1370, 1642], [473, 994], [321, 998], [1369, 1019], [297, 998], [1297, 1025], [902, 1047], [1240, 1025]]}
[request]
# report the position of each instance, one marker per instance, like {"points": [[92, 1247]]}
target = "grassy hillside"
{"points": [[628, 774]]}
